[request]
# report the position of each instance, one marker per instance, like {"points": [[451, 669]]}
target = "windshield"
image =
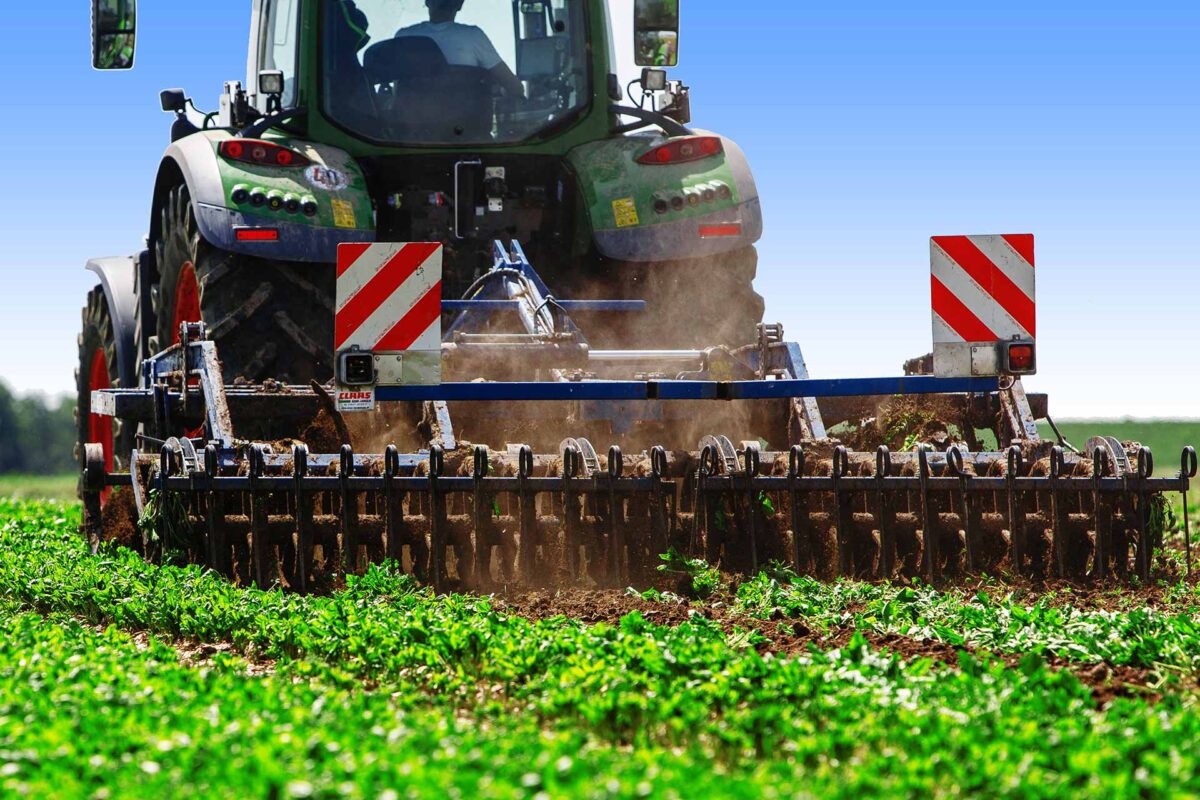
{"points": [[450, 72]]}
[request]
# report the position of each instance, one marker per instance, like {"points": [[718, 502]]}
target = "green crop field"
{"points": [[120, 679]]}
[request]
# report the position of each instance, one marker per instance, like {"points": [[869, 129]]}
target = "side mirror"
{"points": [[114, 34], [173, 100], [656, 33]]}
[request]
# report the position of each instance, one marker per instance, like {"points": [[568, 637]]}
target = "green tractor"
{"points": [[462, 122]]}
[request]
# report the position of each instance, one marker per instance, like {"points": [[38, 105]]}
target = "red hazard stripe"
{"points": [[992, 280], [960, 318], [348, 254], [416, 322], [377, 291], [1023, 244]]}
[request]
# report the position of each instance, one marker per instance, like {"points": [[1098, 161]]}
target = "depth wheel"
{"points": [[98, 370], [269, 319]]}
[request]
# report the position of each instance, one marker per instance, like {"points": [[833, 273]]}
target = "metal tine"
{"points": [[218, 549], [841, 462], [526, 513], [616, 527], [800, 520], [957, 465], [393, 508], [304, 517], [663, 519], [166, 470], [930, 537], [1016, 509], [1187, 471], [260, 542], [1103, 514], [437, 518], [706, 510], [571, 508], [1145, 469], [884, 518], [349, 510], [752, 462], [1058, 511], [481, 570]]}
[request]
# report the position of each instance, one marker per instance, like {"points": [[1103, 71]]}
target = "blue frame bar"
{"points": [[685, 390]]}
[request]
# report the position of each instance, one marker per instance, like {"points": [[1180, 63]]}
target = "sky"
{"points": [[871, 126]]}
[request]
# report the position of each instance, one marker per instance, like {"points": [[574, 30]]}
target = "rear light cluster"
{"points": [[263, 154], [692, 197], [257, 197], [1020, 358], [683, 151]]}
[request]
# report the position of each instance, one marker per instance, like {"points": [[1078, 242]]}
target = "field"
{"points": [[120, 679]]}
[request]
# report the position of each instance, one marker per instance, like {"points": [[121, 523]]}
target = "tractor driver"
{"points": [[464, 45]]}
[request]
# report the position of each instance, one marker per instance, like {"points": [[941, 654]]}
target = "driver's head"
{"points": [[443, 10], [350, 27]]}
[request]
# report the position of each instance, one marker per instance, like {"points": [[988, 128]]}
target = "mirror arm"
{"points": [[257, 129], [669, 126]]}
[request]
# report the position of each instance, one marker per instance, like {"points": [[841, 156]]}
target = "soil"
{"points": [[787, 638], [118, 521]]}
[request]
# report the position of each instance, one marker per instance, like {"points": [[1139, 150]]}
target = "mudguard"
{"points": [[117, 279], [621, 194], [334, 181]]}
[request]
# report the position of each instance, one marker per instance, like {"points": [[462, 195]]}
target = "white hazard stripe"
{"points": [[973, 296], [360, 273], [384, 318], [943, 333], [1008, 261]]}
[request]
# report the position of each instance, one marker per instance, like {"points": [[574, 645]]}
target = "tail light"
{"points": [[266, 154], [1020, 358], [720, 231], [256, 234], [682, 151]]}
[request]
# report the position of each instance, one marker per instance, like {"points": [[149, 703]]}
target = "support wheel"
{"points": [[98, 370], [269, 319]]}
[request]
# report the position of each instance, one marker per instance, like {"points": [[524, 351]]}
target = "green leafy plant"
{"points": [[700, 579]]}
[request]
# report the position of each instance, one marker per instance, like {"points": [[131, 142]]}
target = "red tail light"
{"points": [[719, 231], [681, 151], [257, 234], [253, 151], [1022, 358]]}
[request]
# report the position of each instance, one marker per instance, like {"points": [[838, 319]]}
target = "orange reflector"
{"points": [[718, 231], [1020, 357], [257, 234]]}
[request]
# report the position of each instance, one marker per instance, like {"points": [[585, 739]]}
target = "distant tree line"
{"points": [[37, 434]]}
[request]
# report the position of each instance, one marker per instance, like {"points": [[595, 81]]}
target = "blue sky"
{"points": [[871, 126]]}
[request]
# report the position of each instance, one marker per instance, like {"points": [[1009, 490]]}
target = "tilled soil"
{"points": [[788, 637]]}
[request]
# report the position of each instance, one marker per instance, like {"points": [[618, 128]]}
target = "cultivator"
{"points": [[762, 479]]}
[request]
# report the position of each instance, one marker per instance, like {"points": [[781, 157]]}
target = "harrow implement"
{"points": [[760, 480]]}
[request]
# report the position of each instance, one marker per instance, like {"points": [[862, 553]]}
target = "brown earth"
{"points": [[118, 520]]}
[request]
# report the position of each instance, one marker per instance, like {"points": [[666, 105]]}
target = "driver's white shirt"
{"points": [[462, 45]]}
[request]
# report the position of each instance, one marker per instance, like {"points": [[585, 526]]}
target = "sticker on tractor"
{"points": [[983, 291], [343, 214], [389, 304], [625, 211], [356, 401], [327, 178]]}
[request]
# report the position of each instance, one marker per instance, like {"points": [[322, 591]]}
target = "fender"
{"points": [[623, 199], [334, 181], [117, 279]]}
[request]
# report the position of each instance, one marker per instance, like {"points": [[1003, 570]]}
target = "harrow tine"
{"points": [[218, 550], [1058, 510], [393, 507], [349, 510], [957, 466], [1016, 509], [802, 551], [1103, 515], [572, 508], [927, 531], [1187, 471], [752, 460], [260, 543], [437, 519], [1145, 468], [884, 514], [841, 461], [481, 570], [304, 518], [616, 524], [662, 518]]}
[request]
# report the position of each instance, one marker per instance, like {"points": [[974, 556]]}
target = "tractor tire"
{"points": [[98, 369], [691, 303], [269, 319]]}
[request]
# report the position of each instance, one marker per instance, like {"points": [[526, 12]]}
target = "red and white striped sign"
{"points": [[983, 293], [389, 297], [389, 301]]}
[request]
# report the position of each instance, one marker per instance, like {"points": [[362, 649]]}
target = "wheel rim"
{"points": [[100, 428], [187, 299]]}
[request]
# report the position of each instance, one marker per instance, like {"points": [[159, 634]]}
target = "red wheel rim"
{"points": [[100, 428], [187, 299]]}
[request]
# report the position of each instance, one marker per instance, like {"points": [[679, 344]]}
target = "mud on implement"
{"points": [[757, 477]]}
